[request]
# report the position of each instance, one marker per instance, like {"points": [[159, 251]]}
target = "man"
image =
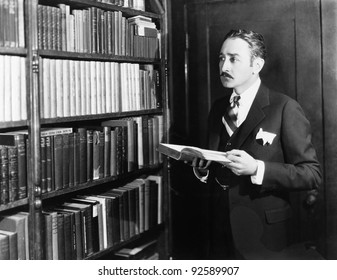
{"points": [[268, 142]]}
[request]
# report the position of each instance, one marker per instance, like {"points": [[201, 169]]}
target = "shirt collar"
{"points": [[249, 94]]}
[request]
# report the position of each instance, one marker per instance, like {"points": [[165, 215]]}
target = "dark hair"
{"points": [[254, 40]]}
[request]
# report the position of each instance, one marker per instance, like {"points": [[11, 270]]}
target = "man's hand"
{"points": [[199, 163], [241, 163]]}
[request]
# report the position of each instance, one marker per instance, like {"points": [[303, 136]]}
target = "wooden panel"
{"points": [[329, 55]]}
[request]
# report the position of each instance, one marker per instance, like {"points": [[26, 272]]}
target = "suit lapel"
{"points": [[254, 117]]}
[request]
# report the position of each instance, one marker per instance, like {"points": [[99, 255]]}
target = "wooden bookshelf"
{"points": [[35, 122]]}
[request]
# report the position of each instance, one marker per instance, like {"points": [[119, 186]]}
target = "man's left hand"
{"points": [[241, 163]]}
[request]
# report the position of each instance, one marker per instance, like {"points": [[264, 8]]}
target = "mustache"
{"points": [[225, 74]]}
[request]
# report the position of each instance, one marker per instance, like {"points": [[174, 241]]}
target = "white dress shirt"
{"points": [[245, 102]]}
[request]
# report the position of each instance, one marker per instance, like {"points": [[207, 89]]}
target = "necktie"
{"points": [[232, 113]]}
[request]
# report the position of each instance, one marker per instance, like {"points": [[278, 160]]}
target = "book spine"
{"points": [[58, 161], [107, 147], [71, 159], [13, 186], [65, 159], [4, 192], [43, 165], [83, 154], [49, 165], [89, 155]]}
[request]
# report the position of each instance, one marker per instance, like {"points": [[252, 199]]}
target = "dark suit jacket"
{"points": [[260, 215]]}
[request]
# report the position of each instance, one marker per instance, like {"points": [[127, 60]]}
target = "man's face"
{"points": [[236, 69]]}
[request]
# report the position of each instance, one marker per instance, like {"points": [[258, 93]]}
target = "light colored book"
{"points": [[83, 93], [15, 87], [188, 153], [52, 88], [59, 87], [23, 87], [2, 88], [66, 88], [88, 87], [93, 87], [108, 80], [7, 88]]}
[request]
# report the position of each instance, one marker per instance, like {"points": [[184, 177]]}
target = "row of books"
{"points": [[76, 88], [85, 224], [14, 242], [13, 93], [12, 29], [134, 4], [94, 30], [13, 168], [73, 156]]}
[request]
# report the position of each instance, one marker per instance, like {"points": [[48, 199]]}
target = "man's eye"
{"points": [[222, 58], [233, 59]]}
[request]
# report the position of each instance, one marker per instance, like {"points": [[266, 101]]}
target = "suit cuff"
{"points": [[202, 177], [258, 177]]}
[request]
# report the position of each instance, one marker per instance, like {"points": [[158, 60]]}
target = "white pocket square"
{"points": [[266, 137]]}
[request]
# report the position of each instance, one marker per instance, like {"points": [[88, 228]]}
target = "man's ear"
{"points": [[258, 64]]}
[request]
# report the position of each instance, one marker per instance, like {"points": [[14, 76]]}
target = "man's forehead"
{"points": [[234, 46]]}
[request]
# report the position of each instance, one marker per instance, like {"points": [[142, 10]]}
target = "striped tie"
{"points": [[232, 113]]}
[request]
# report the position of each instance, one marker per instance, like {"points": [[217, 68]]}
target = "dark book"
{"points": [[71, 164], [133, 208], [90, 154], [58, 161], [12, 244], [114, 214], [93, 13], [65, 158], [77, 232], [82, 132], [86, 212], [107, 153], [153, 200], [48, 236], [43, 165], [94, 220], [131, 145], [113, 152], [4, 169], [98, 212], [124, 209], [76, 159], [60, 236], [13, 181], [146, 144], [98, 154], [19, 141], [4, 247], [49, 163]]}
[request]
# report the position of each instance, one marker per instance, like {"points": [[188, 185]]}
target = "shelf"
{"points": [[13, 51], [14, 204], [15, 124], [94, 183], [102, 116], [120, 245], [105, 6], [91, 56]]}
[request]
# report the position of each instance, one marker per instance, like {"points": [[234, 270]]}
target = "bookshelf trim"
{"points": [[92, 56], [102, 116], [13, 124], [104, 6], [14, 204], [122, 244], [94, 183], [13, 51]]}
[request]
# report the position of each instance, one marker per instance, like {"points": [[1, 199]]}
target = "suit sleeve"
{"points": [[300, 169]]}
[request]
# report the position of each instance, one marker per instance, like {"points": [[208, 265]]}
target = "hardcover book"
{"points": [[188, 153]]}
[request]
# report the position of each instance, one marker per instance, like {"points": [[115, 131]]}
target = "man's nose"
{"points": [[224, 65]]}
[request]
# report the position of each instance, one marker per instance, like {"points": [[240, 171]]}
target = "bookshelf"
{"points": [[91, 69]]}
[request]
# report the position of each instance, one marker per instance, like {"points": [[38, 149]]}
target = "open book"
{"points": [[188, 153]]}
